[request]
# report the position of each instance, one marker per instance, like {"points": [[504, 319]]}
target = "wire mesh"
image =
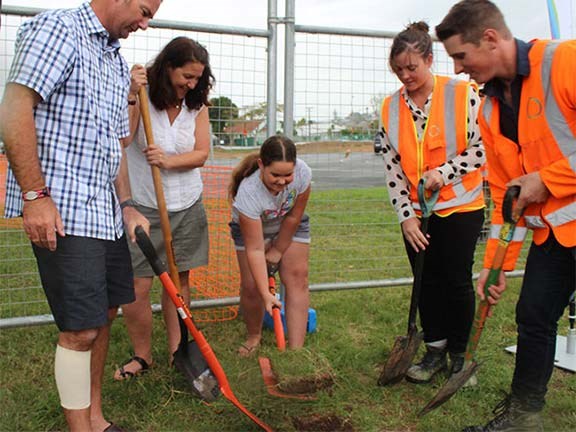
{"points": [[340, 82]]}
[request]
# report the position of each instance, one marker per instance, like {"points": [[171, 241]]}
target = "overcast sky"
{"points": [[526, 18]]}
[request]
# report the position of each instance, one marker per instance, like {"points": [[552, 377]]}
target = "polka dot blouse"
{"points": [[469, 160]]}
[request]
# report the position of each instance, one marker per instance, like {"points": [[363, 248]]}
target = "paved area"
{"points": [[337, 170]]}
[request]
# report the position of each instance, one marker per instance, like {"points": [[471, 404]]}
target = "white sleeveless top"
{"points": [[182, 188]]}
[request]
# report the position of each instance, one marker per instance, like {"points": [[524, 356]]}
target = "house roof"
{"points": [[243, 126]]}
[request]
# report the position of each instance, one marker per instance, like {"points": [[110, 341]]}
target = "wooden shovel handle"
{"points": [[158, 188]]}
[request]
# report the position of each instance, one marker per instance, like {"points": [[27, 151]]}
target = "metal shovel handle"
{"points": [[205, 349], [426, 206]]}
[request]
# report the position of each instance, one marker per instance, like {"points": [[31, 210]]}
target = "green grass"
{"points": [[355, 237], [356, 329]]}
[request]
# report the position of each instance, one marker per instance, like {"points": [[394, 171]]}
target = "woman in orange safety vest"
{"points": [[429, 130]]}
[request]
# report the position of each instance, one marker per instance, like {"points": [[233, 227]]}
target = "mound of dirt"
{"points": [[306, 384], [322, 423]]}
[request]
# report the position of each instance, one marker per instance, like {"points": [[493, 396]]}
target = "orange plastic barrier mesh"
{"points": [[220, 278]]}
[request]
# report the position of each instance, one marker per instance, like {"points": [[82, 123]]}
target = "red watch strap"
{"points": [[36, 194]]}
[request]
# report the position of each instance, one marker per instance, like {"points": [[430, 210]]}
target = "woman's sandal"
{"points": [[246, 350], [124, 374]]}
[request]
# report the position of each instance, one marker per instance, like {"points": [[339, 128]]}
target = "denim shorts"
{"points": [[302, 234], [83, 278]]}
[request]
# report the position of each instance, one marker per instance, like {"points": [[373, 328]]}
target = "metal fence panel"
{"points": [[340, 78]]}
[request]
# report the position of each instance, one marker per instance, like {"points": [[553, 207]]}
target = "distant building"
{"points": [[246, 133]]}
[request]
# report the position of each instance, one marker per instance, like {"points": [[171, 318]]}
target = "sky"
{"points": [[526, 18]]}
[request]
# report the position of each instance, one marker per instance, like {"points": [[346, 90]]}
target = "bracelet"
{"points": [[131, 101], [128, 203]]}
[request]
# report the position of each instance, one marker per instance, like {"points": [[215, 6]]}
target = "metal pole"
{"points": [[272, 67], [289, 69], [231, 301]]}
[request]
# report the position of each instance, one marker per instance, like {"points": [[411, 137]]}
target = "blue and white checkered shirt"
{"points": [[67, 58]]}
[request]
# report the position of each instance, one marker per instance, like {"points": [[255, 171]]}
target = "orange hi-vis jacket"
{"points": [[445, 137], [546, 144]]}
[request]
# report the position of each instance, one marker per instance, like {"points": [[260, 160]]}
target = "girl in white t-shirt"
{"points": [[269, 193]]}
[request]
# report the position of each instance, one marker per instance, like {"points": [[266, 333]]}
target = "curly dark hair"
{"points": [[177, 53]]}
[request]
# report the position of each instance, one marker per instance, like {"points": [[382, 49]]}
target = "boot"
{"points": [[433, 362], [511, 417], [456, 365]]}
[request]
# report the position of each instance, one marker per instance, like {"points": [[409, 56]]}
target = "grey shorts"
{"points": [[302, 234], [189, 239], [83, 278]]}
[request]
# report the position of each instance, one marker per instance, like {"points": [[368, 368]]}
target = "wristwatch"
{"points": [[36, 194], [128, 203]]}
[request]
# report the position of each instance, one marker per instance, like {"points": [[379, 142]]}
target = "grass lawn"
{"points": [[355, 238], [356, 329]]}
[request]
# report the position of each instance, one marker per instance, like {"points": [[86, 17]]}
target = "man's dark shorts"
{"points": [[83, 278]]}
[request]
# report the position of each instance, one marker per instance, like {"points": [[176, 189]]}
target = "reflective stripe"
{"points": [[461, 199], [556, 120], [487, 109], [450, 119], [458, 188], [562, 215], [534, 222], [394, 121], [519, 233]]}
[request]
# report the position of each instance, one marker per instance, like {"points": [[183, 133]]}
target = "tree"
{"points": [[259, 111], [222, 112]]}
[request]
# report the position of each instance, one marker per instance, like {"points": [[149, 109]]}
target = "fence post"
{"points": [[272, 67], [289, 69]]}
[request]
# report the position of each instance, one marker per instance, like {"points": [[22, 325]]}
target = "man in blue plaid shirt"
{"points": [[64, 112]]}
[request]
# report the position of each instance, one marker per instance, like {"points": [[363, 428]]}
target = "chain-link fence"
{"points": [[340, 78]]}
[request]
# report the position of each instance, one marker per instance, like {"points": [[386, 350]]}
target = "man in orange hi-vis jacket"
{"points": [[528, 125]]}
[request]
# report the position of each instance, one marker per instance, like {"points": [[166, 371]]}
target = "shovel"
{"points": [[406, 347], [278, 326], [272, 385], [268, 375], [205, 349], [187, 358], [457, 380]]}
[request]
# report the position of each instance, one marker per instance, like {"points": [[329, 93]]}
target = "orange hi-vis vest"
{"points": [[546, 144], [445, 137]]}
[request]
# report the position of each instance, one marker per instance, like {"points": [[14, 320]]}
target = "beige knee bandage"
{"points": [[72, 372]]}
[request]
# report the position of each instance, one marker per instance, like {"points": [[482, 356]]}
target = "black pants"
{"points": [[447, 298], [549, 280]]}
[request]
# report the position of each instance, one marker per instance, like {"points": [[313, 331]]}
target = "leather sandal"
{"points": [[124, 374], [246, 350]]}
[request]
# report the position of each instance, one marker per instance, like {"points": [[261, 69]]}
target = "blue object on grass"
{"points": [[310, 326]]}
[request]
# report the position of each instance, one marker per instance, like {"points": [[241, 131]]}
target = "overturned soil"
{"points": [[322, 423], [307, 384]]}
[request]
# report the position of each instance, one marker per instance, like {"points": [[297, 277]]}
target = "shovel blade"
{"points": [[189, 361], [400, 358], [454, 383], [271, 382]]}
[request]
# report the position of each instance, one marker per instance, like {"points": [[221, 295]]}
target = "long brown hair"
{"points": [[178, 52], [275, 148]]}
